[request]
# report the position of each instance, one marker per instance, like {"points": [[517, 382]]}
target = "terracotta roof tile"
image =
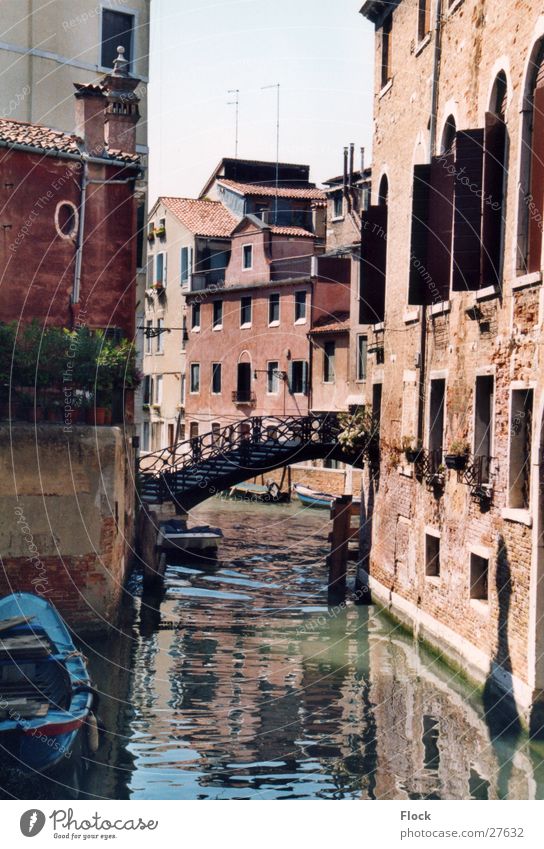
{"points": [[202, 217], [270, 191], [292, 231], [46, 139], [332, 324]]}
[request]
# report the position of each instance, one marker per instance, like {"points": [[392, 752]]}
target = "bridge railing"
{"points": [[257, 430]]}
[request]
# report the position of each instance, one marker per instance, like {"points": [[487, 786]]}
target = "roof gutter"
{"points": [[61, 154]]}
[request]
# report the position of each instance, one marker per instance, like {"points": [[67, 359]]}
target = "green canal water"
{"points": [[239, 682]]}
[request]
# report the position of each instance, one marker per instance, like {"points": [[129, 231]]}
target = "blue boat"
{"points": [[46, 695], [311, 498]]}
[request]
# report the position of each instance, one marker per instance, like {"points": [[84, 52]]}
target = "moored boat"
{"points": [[311, 498], [175, 536], [267, 493], [46, 697]]}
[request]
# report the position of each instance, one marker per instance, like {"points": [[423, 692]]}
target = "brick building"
{"points": [[68, 245], [451, 289]]}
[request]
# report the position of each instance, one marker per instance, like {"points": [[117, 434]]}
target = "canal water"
{"points": [[240, 682]]}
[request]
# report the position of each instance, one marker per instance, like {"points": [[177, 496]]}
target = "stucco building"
{"points": [[451, 288]]}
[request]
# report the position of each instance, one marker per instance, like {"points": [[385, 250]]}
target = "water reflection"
{"points": [[244, 684]]}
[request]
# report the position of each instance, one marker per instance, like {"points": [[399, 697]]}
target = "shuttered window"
{"points": [[493, 199], [420, 279], [467, 223], [373, 265], [536, 192]]}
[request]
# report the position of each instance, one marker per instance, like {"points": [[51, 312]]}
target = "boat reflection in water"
{"points": [[243, 684]]}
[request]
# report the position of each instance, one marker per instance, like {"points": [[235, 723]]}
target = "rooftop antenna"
{"points": [[235, 102], [277, 87]]}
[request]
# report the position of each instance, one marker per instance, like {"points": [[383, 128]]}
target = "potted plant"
{"points": [[457, 457], [359, 432], [413, 449], [158, 287], [160, 231], [438, 478]]}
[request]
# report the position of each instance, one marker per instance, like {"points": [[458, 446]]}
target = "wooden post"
{"points": [[338, 558]]}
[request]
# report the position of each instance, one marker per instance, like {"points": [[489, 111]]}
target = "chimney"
{"points": [[362, 163], [89, 115], [351, 164], [345, 169], [122, 112]]}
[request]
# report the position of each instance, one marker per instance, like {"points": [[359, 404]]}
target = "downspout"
{"points": [[432, 149], [80, 234]]}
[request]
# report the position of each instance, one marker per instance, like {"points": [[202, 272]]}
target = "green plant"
{"points": [[459, 447], [411, 443], [358, 430]]}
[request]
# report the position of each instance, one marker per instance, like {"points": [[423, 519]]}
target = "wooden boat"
{"points": [[174, 535], [45, 690], [311, 498], [266, 493]]}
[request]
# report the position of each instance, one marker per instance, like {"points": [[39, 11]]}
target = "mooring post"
{"points": [[341, 531]]}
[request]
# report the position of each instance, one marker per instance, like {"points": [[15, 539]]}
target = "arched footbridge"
{"points": [[192, 471]]}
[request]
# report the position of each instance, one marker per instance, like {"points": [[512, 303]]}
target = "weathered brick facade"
{"points": [[491, 333]]}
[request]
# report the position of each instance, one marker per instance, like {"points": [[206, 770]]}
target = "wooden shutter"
{"points": [[418, 287], [305, 377], [467, 216], [493, 199], [290, 376], [440, 227], [373, 265], [536, 200]]}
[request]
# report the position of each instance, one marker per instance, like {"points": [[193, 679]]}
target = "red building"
{"points": [[68, 234]]}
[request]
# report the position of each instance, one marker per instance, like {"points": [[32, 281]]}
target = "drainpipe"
{"points": [[80, 234], [432, 149]]}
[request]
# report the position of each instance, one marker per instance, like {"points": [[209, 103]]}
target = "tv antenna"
{"points": [[235, 102], [277, 87]]}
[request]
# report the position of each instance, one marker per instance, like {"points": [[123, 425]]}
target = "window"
{"points": [[245, 312], [531, 198], [145, 436], [185, 265], [521, 418], [216, 432], [329, 352], [148, 336], [247, 252], [300, 306], [147, 390], [424, 19], [216, 378], [195, 378], [448, 135], [337, 205], [298, 378], [362, 349], [183, 386], [193, 430], [66, 220], [432, 555], [159, 336], [328, 463], [483, 424], [140, 234], [160, 269], [117, 31], [217, 315], [195, 317], [386, 49], [373, 265], [274, 309], [377, 404], [243, 384], [479, 577], [158, 389], [272, 377], [436, 418]]}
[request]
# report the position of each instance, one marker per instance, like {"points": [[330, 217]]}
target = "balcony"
{"points": [[244, 397]]}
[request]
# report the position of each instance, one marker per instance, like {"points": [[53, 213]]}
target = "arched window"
{"points": [[383, 191], [499, 96], [495, 174], [531, 200], [448, 135]]}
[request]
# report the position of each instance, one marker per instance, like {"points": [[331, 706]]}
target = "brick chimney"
{"points": [[90, 110], [122, 113]]}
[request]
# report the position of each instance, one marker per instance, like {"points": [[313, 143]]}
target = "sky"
{"points": [[321, 53]]}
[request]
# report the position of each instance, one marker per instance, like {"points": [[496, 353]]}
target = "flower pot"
{"points": [[457, 462], [414, 455]]}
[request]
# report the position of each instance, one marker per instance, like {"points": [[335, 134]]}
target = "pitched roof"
{"points": [[270, 191], [292, 231], [202, 217], [336, 323], [45, 139]]}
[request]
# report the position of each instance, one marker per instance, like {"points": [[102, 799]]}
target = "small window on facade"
{"points": [[195, 377], [245, 311], [337, 205], [66, 220], [483, 424], [193, 430], [272, 379], [448, 135], [217, 314], [247, 257], [329, 354], [160, 269], [299, 377], [424, 19], [159, 336], [436, 418], [377, 404], [158, 389], [386, 50], [195, 317], [117, 31], [521, 420], [184, 264], [274, 309], [145, 436], [432, 555], [216, 378], [479, 577], [362, 348], [216, 432], [147, 394], [300, 306], [148, 337]]}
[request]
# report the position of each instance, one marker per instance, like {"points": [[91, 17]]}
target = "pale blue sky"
{"points": [[321, 51]]}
